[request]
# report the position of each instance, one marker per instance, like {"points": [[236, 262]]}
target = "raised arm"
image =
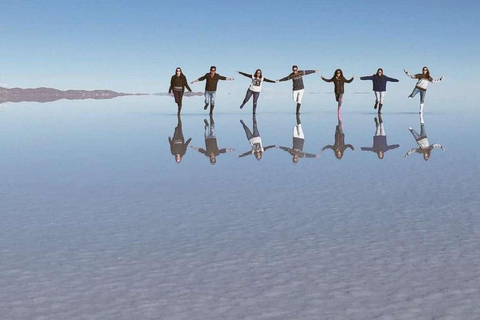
{"points": [[410, 75], [245, 154], [350, 80], [349, 146], [327, 80]]}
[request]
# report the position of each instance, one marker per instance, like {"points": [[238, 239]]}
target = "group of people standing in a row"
{"points": [[179, 82], [178, 145]]}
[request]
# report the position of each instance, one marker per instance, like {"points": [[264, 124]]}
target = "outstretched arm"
{"points": [[349, 146], [436, 145], [437, 80], [410, 152], [245, 154], [268, 80], [350, 80], [367, 78], [391, 79], [268, 147], [307, 72], [410, 75], [329, 146], [199, 149], [284, 78], [326, 80], [245, 74], [225, 78], [199, 79]]}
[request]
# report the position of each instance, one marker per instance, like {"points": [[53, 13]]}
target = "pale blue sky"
{"points": [[135, 46]]}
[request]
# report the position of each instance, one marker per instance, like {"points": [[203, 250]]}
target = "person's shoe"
{"points": [[380, 108], [206, 106], [410, 128], [241, 107], [206, 122], [376, 105], [376, 121], [410, 97]]}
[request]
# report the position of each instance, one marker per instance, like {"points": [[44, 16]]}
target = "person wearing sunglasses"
{"points": [[255, 87], [211, 86], [339, 82], [422, 83], [178, 83], [297, 80], [379, 81]]}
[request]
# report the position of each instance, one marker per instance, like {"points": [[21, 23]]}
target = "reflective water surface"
{"points": [[119, 209]]}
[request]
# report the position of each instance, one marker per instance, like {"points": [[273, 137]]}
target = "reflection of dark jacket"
{"points": [[339, 141], [380, 144], [379, 83], [211, 147], [339, 83], [211, 84], [178, 82], [177, 143]]}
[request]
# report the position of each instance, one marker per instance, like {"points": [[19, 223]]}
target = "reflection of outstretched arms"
{"points": [[199, 149], [414, 150], [224, 150], [391, 79], [436, 145], [268, 147], [245, 154], [329, 146], [349, 146], [188, 141], [289, 150]]}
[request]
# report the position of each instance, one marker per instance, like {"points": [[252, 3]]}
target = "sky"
{"points": [[135, 46]]}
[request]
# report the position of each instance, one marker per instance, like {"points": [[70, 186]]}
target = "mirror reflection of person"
{"points": [[339, 146], [211, 81], [339, 86], [178, 83], [380, 146], [255, 141], [254, 88], [424, 146], [296, 151], [178, 146], [297, 81], [211, 148]]}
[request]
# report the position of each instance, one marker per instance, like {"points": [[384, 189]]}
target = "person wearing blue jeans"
{"points": [[422, 84], [211, 86]]}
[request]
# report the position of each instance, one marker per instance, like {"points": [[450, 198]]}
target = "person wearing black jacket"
{"points": [[379, 81], [211, 86], [178, 146], [339, 81], [178, 83], [297, 81]]}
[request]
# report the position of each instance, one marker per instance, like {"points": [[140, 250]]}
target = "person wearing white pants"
{"points": [[297, 81]]}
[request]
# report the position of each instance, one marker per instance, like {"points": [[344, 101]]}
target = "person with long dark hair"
{"points": [[255, 140], [178, 83], [380, 146], [297, 81], [254, 88], [211, 87], [339, 85], [379, 81], [178, 146], [339, 146], [422, 83]]}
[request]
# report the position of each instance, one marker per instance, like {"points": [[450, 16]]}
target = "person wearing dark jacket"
{"points": [[339, 146], [178, 146], [297, 81], [339, 82], [379, 81], [296, 151], [380, 146], [178, 83], [211, 148], [255, 87], [211, 86]]}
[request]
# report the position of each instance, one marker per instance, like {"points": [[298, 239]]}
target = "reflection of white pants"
{"points": [[380, 130], [379, 96], [298, 132], [298, 95]]}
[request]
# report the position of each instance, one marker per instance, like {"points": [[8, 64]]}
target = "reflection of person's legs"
{"points": [[298, 132], [414, 133], [377, 127], [247, 97], [248, 133], [423, 132], [382, 129], [255, 127]]}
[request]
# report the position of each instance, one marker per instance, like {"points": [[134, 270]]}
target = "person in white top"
{"points": [[254, 88], [424, 147], [255, 141], [421, 86]]}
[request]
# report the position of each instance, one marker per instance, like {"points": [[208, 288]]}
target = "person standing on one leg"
{"points": [[339, 82], [254, 88], [422, 83], [211, 86], [178, 83], [379, 87], [298, 88]]}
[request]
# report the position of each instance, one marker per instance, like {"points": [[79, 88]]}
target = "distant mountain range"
{"points": [[50, 94], [186, 94]]}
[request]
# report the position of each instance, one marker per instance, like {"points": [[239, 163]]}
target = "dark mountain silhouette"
{"points": [[50, 94]]}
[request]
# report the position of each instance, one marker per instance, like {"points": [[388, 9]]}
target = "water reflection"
{"points": [[211, 148], [298, 141], [255, 140], [424, 147], [178, 146], [380, 145], [339, 146]]}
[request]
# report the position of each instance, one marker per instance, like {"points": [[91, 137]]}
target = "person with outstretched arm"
{"points": [[379, 81], [255, 87], [178, 83], [211, 79], [424, 147], [211, 148], [255, 141], [422, 84], [339, 146], [297, 81], [380, 146], [178, 146], [296, 151], [339, 86]]}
